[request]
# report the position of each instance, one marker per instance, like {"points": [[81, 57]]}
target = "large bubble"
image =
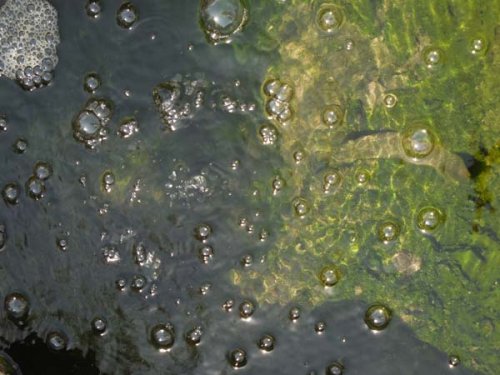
{"points": [[29, 37]]}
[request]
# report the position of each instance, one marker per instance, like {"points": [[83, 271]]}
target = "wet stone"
{"points": [[329, 276], [127, 15], [17, 306], [329, 18], [162, 336], [206, 253]]}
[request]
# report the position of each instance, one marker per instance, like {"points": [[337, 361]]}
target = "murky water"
{"points": [[261, 187]]}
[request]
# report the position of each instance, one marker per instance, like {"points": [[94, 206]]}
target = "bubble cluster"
{"points": [[377, 317], [221, 19], [247, 309], [329, 18], [29, 37], [418, 142], [268, 134], [128, 127], [479, 46], [278, 100], [193, 336], [163, 336], [89, 125], [178, 99], [127, 15]]}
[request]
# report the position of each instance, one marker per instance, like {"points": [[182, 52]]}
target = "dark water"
{"points": [[156, 203]]}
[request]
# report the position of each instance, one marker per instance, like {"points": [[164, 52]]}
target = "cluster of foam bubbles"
{"points": [[278, 96], [89, 125], [29, 37], [35, 185]]}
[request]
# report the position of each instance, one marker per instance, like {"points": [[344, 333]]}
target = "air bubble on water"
{"points": [[108, 180], [329, 18], [284, 93], [221, 19], [300, 206], [390, 100], [93, 8], [263, 235], [57, 341], [418, 142], [3, 121], [206, 253], [271, 87], [320, 327], [329, 275], [266, 343], [202, 232], [429, 219], [162, 336], [193, 336], [205, 288], [111, 254], [91, 82], [268, 134], [388, 231], [247, 309], [453, 361], [35, 188], [294, 314], [121, 284], [20, 146], [432, 57], [299, 156], [238, 358], [377, 317], [127, 15], [335, 368], [479, 46], [247, 260], [17, 306], [99, 326], [42, 170], [138, 283], [362, 176], [333, 116], [10, 193], [228, 305], [128, 127]]}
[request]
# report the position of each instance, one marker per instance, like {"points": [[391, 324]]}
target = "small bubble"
{"points": [[246, 309], [57, 341], [294, 314], [331, 180], [99, 326], [299, 156], [17, 306], [478, 46], [320, 327], [206, 253], [432, 56], [377, 317], [3, 123], [138, 283], [329, 18], [220, 19], [10, 193], [20, 146], [390, 100], [388, 231], [332, 116], [271, 87], [193, 336], [268, 134], [278, 184], [429, 219], [329, 275], [91, 82], [42, 170], [238, 358], [418, 142], [334, 369], [300, 207], [247, 260], [93, 8], [128, 127], [121, 283], [228, 305], [127, 15], [163, 336], [202, 232], [35, 188], [266, 343], [284, 93], [362, 177], [453, 361], [62, 244]]}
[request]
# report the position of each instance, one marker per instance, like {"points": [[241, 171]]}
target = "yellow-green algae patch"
{"points": [[359, 83]]}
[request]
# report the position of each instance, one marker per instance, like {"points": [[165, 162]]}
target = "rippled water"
{"points": [[289, 187]]}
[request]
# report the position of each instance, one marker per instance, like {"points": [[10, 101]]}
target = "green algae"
{"points": [[442, 282]]}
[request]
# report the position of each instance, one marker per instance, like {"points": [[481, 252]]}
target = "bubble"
{"points": [[390, 100], [329, 275], [247, 260], [329, 18], [284, 93], [238, 358], [57, 341], [20, 145], [300, 207], [3, 122], [128, 127], [362, 176], [42, 170], [127, 15], [202, 232], [3, 236], [35, 188], [138, 283], [91, 82], [99, 326], [193, 336], [163, 336], [271, 87], [432, 56], [479, 46], [108, 180], [62, 244], [429, 219], [88, 125], [332, 116], [93, 8], [17, 306], [246, 309], [388, 231], [206, 253], [220, 19], [268, 134], [377, 317], [111, 254], [121, 284], [320, 327], [331, 180], [453, 361], [294, 314], [299, 156], [334, 369], [266, 343], [228, 305], [418, 143], [10, 193]]}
